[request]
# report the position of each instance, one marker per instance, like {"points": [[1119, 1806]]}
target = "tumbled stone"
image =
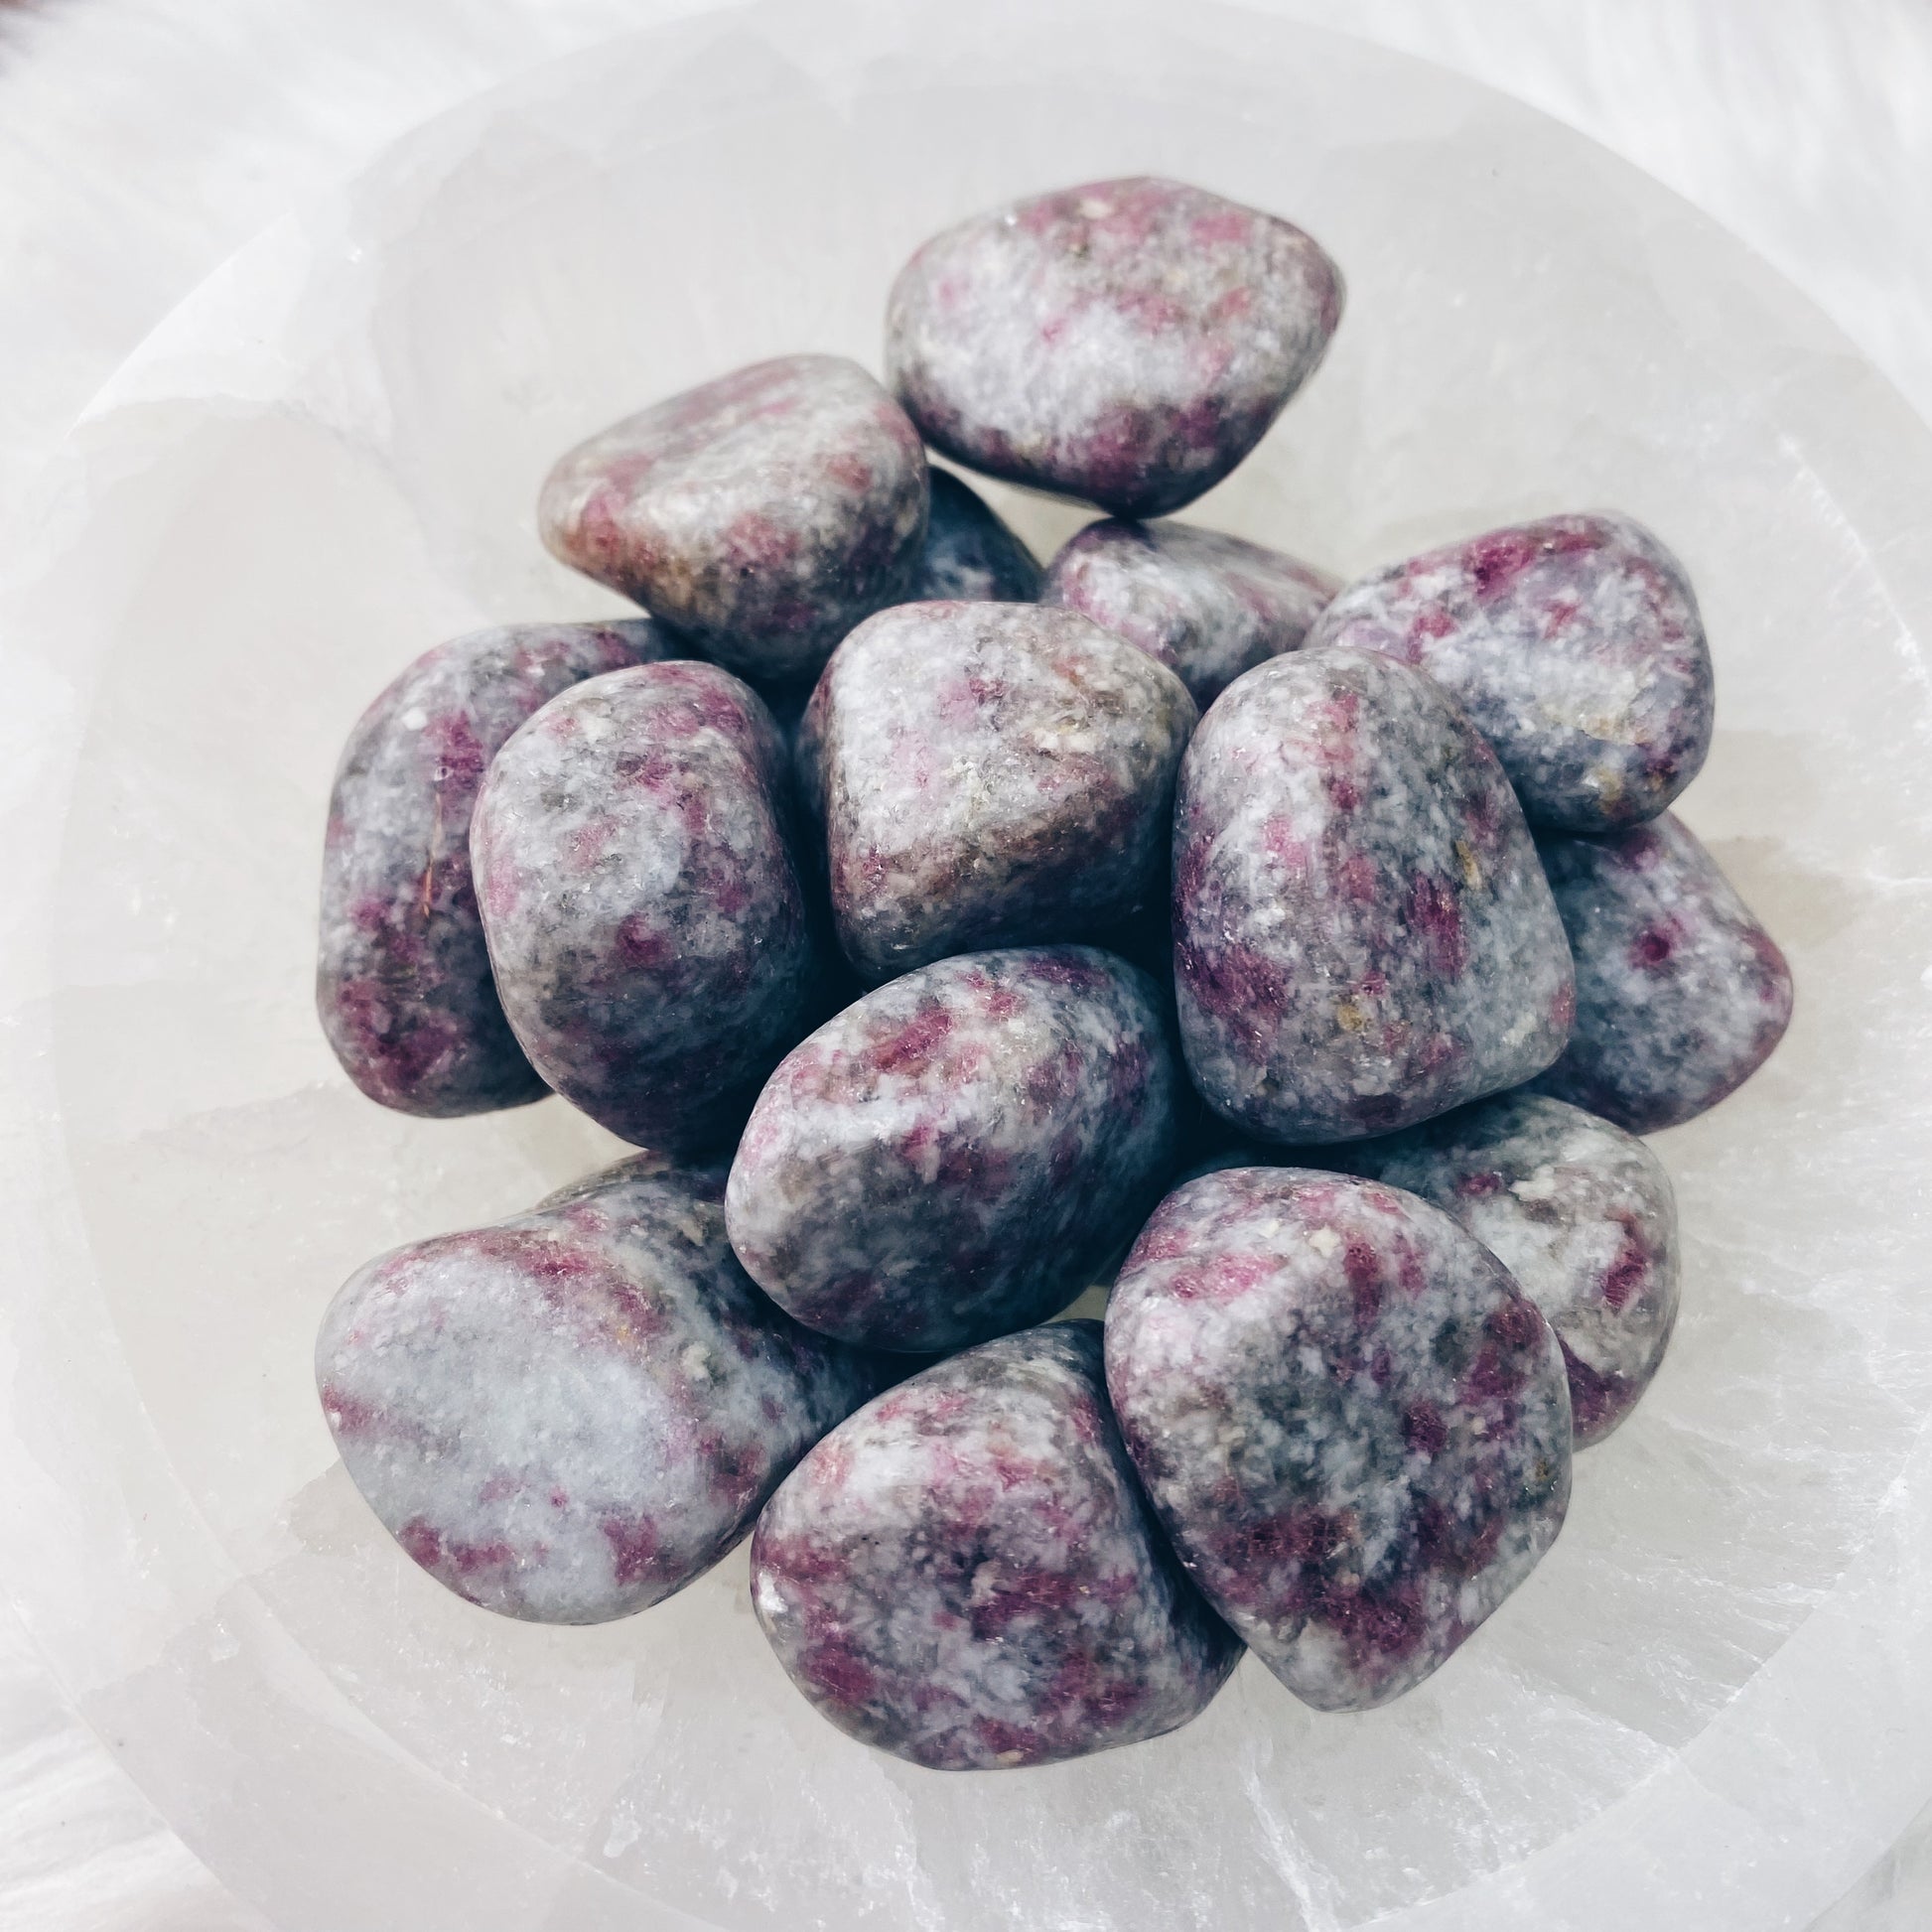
{"points": [[403, 985], [645, 910], [1351, 1422], [1208, 606], [990, 775], [1128, 342], [965, 1574], [1362, 935], [571, 1415], [1576, 646], [970, 555], [955, 1154], [1578, 1211], [761, 515], [1681, 994]]}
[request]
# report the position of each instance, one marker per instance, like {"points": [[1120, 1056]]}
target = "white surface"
{"points": [[111, 234]]}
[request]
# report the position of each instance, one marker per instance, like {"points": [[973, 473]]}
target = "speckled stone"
{"points": [[1575, 644], [965, 1574], [1351, 1422], [951, 1158], [763, 516], [645, 915], [571, 1415], [1208, 606], [1681, 995], [1580, 1212], [990, 775], [1128, 342], [1362, 935], [970, 555], [402, 978]]}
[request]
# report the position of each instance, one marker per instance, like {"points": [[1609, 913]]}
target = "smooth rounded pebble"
{"points": [[965, 1574], [1578, 1211], [1681, 995], [1351, 1422], [761, 515], [403, 985], [1576, 646], [990, 775], [645, 915], [1128, 342], [955, 1154], [1364, 937], [1207, 605], [970, 555], [571, 1415]]}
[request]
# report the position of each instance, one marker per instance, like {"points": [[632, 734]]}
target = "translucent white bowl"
{"points": [[1712, 1704]]}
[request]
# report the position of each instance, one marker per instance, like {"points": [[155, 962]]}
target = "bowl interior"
{"points": [[329, 459]]}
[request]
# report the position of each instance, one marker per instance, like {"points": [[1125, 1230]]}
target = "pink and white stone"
{"points": [[1681, 994], [645, 915], [1206, 604], [1364, 937], [761, 515], [1128, 342], [966, 1573], [990, 775], [1353, 1423], [1576, 646], [954, 1156], [571, 1415]]}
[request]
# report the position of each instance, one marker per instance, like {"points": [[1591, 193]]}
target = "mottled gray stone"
{"points": [[970, 555]]}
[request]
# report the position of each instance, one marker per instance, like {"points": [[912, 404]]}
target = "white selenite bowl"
{"points": [[1709, 1707]]}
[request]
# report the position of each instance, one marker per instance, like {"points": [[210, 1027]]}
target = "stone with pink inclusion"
{"points": [[1680, 993], [1576, 646], [571, 1415], [956, 1154], [1364, 937], [634, 852], [989, 774], [1351, 1422], [761, 515], [966, 1573], [1127, 342], [403, 985], [1209, 605]]}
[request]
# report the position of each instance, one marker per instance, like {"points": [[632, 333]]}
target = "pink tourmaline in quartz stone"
{"points": [[1573, 643], [1351, 1422], [402, 980], [1209, 605], [954, 1156], [1681, 994], [569, 1415], [761, 515], [966, 1575], [1128, 342], [1363, 936]]}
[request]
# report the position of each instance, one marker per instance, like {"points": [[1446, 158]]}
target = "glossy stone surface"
{"points": [[1578, 1211], [970, 555], [1351, 1422], [952, 1157], [966, 1573], [1128, 342], [1573, 642], [1206, 604], [645, 910], [403, 986], [990, 775], [763, 514], [571, 1415], [1681, 994], [1362, 935]]}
